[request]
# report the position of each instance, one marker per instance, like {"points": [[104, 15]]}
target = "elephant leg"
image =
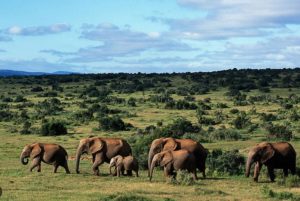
{"points": [[137, 173], [55, 167], [98, 160], [118, 171], [286, 172], [36, 162], [129, 172], [167, 171], [293, 169], [65, 165], [271, 173], [257, 169], [194, 173]]}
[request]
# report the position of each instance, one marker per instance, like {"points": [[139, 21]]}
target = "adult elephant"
{"points": [[279, 155], [102, 150], [172, 144]]}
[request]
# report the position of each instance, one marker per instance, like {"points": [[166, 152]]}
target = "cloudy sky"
{"points": [[148, 36]]}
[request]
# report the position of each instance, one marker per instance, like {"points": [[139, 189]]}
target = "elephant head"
{"points": [[158, 146], [261, 153], [115, 161], [88, 145], [161, 159], [32, 151]]}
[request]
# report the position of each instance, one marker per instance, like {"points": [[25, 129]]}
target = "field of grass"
{"points": [[18, 183]]}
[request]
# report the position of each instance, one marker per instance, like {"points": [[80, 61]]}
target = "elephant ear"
{"points": [[166, 158], [170, 144], [36, 150], [96, 145], [267, 153]]}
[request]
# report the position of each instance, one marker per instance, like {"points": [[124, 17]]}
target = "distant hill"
{"points": [[6, 73]]}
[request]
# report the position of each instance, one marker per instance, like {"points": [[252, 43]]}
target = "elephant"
{"points": [[278, 155], [127, 163], [102, 150], [53, 154], [174, 160], [172, 144]]}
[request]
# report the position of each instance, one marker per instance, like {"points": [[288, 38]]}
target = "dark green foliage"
{"points": [[114, 123], [178, 128], [49, 94], [225, 134], [222, 105], [49, 107], [53, 128], [268, 117], [234, 111], [83, 116], [225, 162], [180, 105], [241, 121], [37, 89], [26, 128], [278, 131], [131, 102], [5, 115], [20, 98]]}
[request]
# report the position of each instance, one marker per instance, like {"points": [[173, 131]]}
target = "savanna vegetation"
{"points": [[228, 112]]}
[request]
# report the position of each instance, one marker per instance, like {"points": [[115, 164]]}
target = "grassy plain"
{"points": [[18, 183]]}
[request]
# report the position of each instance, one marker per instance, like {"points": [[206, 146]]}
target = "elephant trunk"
{"points": [[150, 158], [153, 163], [249, 164], [78, 155], [24, 158]]}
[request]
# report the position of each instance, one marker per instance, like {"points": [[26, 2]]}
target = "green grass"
{"points": [[20, 184]]}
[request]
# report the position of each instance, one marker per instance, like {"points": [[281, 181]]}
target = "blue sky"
{"points": [[95, 36]]}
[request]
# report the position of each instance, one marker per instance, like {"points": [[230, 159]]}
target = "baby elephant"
{"points": [[53, 154], [127, 163], [174, 160]]}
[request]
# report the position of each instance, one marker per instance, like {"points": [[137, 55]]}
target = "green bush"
{"points": [[114, 123], [183, 178], [53, 128], [225, 162], [225, 134], [278, 131], [241, 121]]}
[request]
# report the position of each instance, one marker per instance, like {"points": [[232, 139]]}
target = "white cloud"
{"points": [[38, 30]]}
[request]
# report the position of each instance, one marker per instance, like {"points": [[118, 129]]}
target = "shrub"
{"points": [[20, 98], [225, 134], [183, 178], [268, 117], [241, 121], [26, 127], [278, 131], [37, 89], [225, 162], [222, 105], [131, 102], [234, 111], [53, 128], [83, 116], [5, 115], [114, 123]]}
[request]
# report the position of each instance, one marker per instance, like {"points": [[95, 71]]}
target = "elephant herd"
{"points": [[170, 153]]}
